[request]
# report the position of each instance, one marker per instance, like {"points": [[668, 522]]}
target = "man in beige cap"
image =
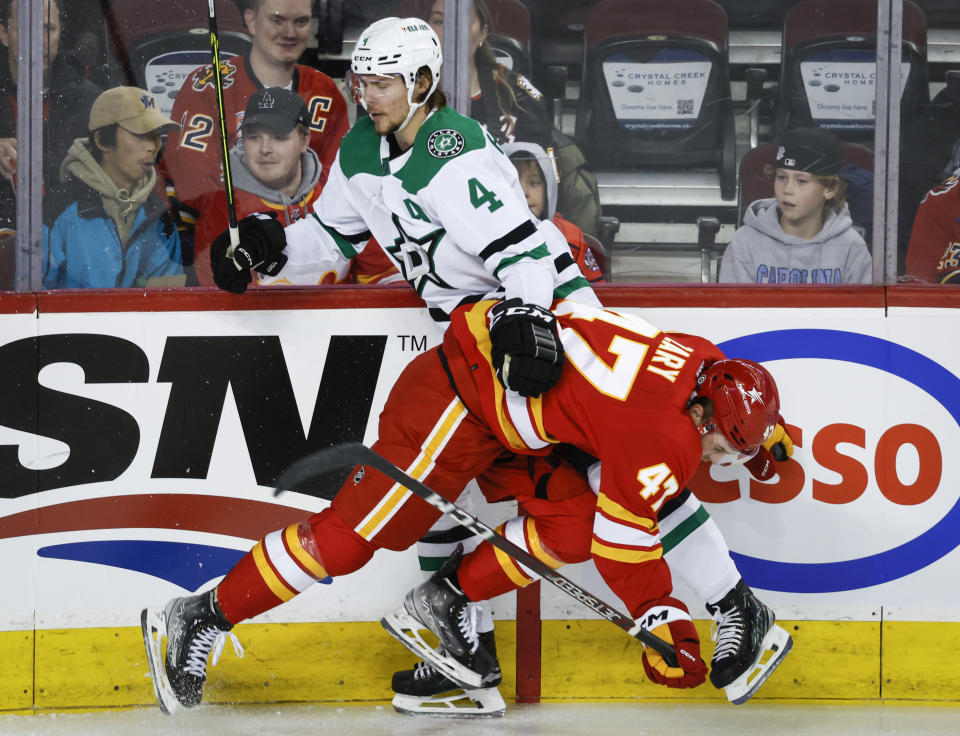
{"points": [[105, 226]]}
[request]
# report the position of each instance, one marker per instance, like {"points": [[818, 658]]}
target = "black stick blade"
{"points": [[317, 464]]}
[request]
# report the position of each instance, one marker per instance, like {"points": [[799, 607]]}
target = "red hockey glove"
{"points": [[669, 619], [777, 448]]}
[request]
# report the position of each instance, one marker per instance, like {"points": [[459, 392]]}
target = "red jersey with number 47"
{"points": [[622, 398], [195, 162]]}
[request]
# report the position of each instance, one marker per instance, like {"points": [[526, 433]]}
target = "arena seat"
{"points": [[829, 55], [940, 13], [509, 37], [755, 14], [159, 44], [656, 88], [599, 253]]}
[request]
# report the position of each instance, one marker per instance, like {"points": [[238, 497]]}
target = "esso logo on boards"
{"points": [[864, 464]]}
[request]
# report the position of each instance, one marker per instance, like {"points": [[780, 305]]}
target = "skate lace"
{"points": [[205, 640], [727, 631], [467, 621], [422, 670]]}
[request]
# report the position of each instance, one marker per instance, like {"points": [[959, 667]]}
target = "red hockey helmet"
{"points": [[745, 402]]}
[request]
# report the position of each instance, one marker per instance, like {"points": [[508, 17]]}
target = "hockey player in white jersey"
{"points": [[429, 184], [445, 204]]}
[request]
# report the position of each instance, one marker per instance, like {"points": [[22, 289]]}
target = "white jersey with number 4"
{"points": [[449, 211]]}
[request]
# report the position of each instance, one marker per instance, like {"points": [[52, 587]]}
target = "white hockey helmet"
{"points": [[402, 46]]}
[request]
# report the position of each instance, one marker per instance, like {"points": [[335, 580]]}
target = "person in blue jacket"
{"points": [[104, 225]]}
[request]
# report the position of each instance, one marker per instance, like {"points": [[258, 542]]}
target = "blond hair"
{"points": [[832, 181]]}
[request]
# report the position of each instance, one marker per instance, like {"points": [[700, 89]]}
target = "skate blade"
{"points": [[775, 646], [480, 703], [406, 629], [153, 623]]}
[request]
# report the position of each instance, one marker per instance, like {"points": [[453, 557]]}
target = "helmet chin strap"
{"points": [[414, 106]]}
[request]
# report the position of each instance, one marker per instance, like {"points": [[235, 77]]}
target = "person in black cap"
{"points": [[274, 171], [804, 234]]}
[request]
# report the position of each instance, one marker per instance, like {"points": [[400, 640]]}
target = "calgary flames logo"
{"points": [[205, 77]]}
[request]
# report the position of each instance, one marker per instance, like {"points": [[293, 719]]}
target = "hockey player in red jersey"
{"points": [[648, 404], [279, 29]]}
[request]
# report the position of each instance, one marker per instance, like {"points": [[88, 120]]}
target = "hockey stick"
{"points": [[224, 147], [355, 453]]}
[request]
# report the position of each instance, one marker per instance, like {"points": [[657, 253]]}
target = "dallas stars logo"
{"points": [[415, 257], [445, 143]]}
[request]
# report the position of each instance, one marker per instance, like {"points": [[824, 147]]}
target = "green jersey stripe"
{"points": [[566, 289], [539, 252], [344, 242]]}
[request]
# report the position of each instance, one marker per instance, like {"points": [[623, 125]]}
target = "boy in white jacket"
{"points": [[804, 234]]}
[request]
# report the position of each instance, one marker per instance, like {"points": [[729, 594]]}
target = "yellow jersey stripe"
{"points": [[511, 570], [476, 318], [624, 555], [293, 544], [394, 498], [276, 585], [614, 509], [536, 546]]}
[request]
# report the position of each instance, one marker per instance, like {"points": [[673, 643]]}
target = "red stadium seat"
{"points": [[656, 87], [829, 50], [160, 43], [599, 253]]}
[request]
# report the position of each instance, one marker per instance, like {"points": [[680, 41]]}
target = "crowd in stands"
{"points": [[134, 198]]}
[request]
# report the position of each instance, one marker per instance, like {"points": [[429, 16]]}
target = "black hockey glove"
{"points": [[526, 349], [262, 241]]}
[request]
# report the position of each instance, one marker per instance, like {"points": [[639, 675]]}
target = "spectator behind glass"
{"points": [[104, 226], [275, 171], [804, 234], [67, 98], [934, 251], [932, 156], [514, 110], [538, 179], [279, 29]]}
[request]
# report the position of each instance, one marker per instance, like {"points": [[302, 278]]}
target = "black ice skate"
{"points": [[193, 627], [749, 645], [426, 691], [440, 606]]}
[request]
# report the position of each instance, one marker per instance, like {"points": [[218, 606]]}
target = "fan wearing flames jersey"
{"points": [[650, 405], [276, 171], [934, 251], [279, 29]]}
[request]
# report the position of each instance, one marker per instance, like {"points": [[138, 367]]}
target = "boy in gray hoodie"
{"points": [[804, 234]]}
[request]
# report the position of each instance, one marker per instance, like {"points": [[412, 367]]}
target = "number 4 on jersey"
{"points": [[480, 196]]}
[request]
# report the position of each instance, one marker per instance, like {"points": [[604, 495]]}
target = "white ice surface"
{"points": [[577, 719]]}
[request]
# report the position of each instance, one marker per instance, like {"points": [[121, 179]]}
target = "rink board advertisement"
{"points": [[139, 452]]}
